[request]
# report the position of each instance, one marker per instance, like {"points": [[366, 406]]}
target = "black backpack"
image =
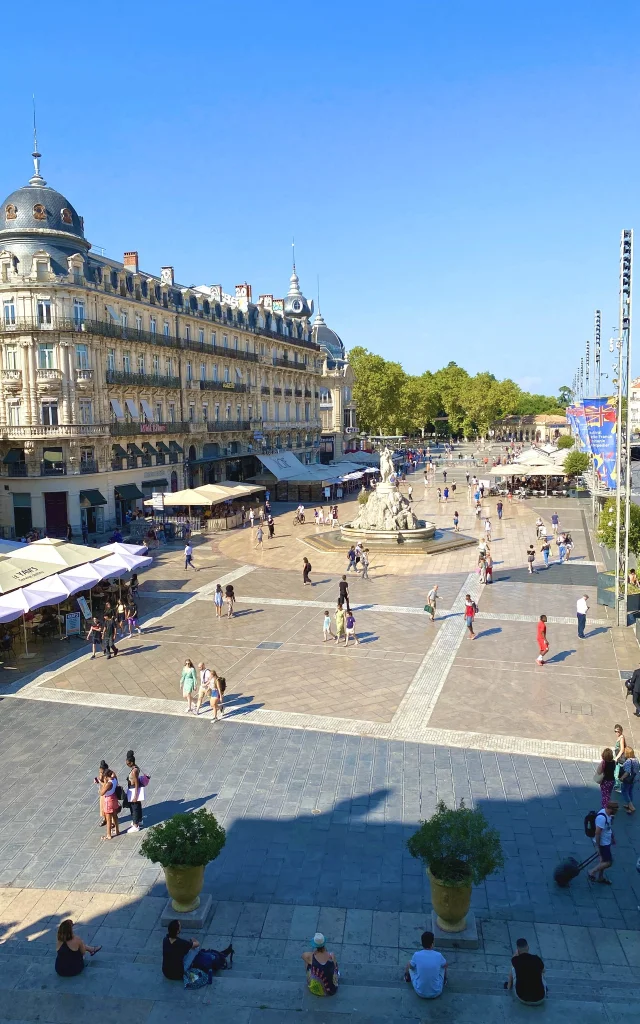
{"points": [[629, 685], [590, 825]]}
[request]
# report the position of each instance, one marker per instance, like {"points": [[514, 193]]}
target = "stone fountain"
{"points": [[387, 517]]}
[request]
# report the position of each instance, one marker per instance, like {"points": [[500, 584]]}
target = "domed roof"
{"points": [[37, 207], [328, 339]]}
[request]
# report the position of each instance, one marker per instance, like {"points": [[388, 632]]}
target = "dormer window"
{"points": [[39, 212], [67, 216], [10, 211], [42, 270]]}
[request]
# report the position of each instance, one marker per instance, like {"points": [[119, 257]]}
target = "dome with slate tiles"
{"points": [[38, 207]]}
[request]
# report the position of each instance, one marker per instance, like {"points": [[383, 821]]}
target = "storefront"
{"points": [[126, 496], [92, 504]]}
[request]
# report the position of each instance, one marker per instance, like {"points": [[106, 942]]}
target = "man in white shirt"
{"points": [[581, 611], [204, 690], [188, 557], [427, 969], [603, 841]]}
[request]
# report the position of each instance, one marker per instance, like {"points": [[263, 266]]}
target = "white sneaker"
{"points": [[134, 828]]}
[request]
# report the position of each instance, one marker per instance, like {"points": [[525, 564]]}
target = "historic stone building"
{"points": [[337, 405], [115, 382]]}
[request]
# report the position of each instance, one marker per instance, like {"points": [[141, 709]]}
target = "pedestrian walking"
{"points": [[351, 556], [618, 753], [251, 517], [432, 602], [188, 682], [259, 537], [487, 528], [444, 475], [453, 489], [628, 776], [188, 557], [456, 522], [509, 495], [132, 618], [218, 687], [445, 494], [109, 636], [306, 569], [218, 599], [555, 522], [634, 685], [135, 792], [531, 557], [340, 623], [545, 550], [334, 517], [568, 543], [110, 804], [410, 492], [543, 643], [499, 508], [488, 569], [439, 492], [94, 636], [350, 624], [121, 616], [606, 775], [603, 840], [327, 632], [467, 476], [582, 608], [470, 609], [98, 780], [271, 526], [204, 688], [229, 599], [343, 588], [364, 561], [562, 549]]}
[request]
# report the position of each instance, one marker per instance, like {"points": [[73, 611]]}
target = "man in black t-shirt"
{"points": [[174, 950], [527, 976]]}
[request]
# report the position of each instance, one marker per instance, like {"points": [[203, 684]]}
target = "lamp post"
{"points": [[623, 453], [597, 325]]}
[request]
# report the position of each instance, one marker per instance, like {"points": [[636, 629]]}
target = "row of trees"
{"points": [[391, 401]]}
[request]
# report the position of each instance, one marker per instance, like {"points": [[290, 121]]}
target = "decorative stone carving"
{"points": [[386, 509]]}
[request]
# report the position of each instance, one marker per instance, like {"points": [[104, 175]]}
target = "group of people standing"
{"points": [[114, 797], [119, 620], [208, 686]]}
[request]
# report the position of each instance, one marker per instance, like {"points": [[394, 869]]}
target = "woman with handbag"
{"points": [[605, 775], [111, 807], [628, 776]]}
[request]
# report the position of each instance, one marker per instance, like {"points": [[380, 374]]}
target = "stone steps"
{"points": [[270, 990]]}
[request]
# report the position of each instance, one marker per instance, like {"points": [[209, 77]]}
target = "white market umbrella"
{"points": [[36, 595], [118, 548], [118, 564]]}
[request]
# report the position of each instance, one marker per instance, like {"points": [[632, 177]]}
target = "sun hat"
{"points": [[318, 940]]}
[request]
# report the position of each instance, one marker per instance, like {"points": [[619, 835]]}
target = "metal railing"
{"points": [[225, 426], [39, 430], [142, 380], [53, 469], [221, 385], [133, 429], [89, 466]]}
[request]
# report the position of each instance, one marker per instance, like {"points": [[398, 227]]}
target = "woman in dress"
{"points": [[70, 951], [322, 968], [218, 599], [110, 805], [606, 770], [188, 682], [618, 753], [230, 599]]}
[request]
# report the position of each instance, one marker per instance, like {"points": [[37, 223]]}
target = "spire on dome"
{"points": [[295, 303], [37, 178]]}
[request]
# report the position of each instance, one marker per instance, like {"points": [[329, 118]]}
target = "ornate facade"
{"points": [[337, 405], [116, 383]]}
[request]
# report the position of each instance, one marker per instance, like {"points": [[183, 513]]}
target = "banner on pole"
{"points": [[575, 415], [600, 420]]}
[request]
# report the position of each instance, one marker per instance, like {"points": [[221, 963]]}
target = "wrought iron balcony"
{"points": [[53, 469], [265, 391], [225, 426], [150, 430], [141, 380], [89, 466], [221, 385]]}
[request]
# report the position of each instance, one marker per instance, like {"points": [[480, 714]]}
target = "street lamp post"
{"points": [[623, 454]]}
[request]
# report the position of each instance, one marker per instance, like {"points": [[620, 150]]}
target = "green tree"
{"points": [[565, 395], [377, 388], [607, 526], [536, 405], [452, 382], [576, 463], [565, 441], [419, 403]]}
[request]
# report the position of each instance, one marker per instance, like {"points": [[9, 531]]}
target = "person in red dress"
{"points": [[543, 643]]}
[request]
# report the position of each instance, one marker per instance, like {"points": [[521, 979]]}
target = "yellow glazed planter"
{"points": [[450, 902], [184, 885]]}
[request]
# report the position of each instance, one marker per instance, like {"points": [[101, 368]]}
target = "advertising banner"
{"points": [[579, 427], [600, 418]]}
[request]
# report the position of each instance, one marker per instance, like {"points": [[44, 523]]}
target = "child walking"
{"points": [[327, 632]]}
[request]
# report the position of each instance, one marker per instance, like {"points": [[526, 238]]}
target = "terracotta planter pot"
{"points": [[184, 885], [451, 903]]}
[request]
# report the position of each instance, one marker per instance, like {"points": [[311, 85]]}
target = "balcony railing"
{"points": [[109, 329], [84, 376], [53, 469], [89, 466], [288, 393], [225, 426], [298, 393], [11, 378], [48, 374], [142, 380], [221, 385], [148, 430], [265, 391], [17, 469], [39, 430]]}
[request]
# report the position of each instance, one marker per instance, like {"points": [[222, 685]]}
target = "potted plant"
{"points": [[184, 845], [459, 849]]}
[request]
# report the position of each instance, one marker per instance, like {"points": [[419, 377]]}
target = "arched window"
{"points": [[192, 452], [10, 211]]}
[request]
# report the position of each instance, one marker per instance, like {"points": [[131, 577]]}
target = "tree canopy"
{"points": [[607, 526], [391, 401]]}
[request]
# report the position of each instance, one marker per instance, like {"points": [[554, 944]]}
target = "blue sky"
{"points": [[457, 173]]}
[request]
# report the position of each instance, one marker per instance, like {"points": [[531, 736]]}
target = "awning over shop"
{"points": [[525, 471], [89, 499], [285, 466], [175, 447], [186, 497], [163, 447], [134, 450], [228, 489], [119, 452], [14, 455], [154, 485], [148, 448], [128, 492]]}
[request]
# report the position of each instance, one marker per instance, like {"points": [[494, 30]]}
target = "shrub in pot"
{"points": [[184, 845], [459, 849]]}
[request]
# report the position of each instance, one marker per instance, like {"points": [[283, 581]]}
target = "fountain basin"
{"points": [[388, 537]]}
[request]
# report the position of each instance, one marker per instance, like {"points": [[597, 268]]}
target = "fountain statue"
{"points": [[387, 515]]}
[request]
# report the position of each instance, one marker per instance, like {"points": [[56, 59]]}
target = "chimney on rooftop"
{"points": [[131, 261]]}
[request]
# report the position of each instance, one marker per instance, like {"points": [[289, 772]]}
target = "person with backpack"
{"points": [[470, 609], [628, 775], [180, 955], [603, 841]]}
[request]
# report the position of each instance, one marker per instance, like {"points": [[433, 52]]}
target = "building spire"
{"points": [[319, 319], [37, 178]]}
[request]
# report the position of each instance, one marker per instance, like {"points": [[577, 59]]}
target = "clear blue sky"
{"points": [[458, 173]]}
